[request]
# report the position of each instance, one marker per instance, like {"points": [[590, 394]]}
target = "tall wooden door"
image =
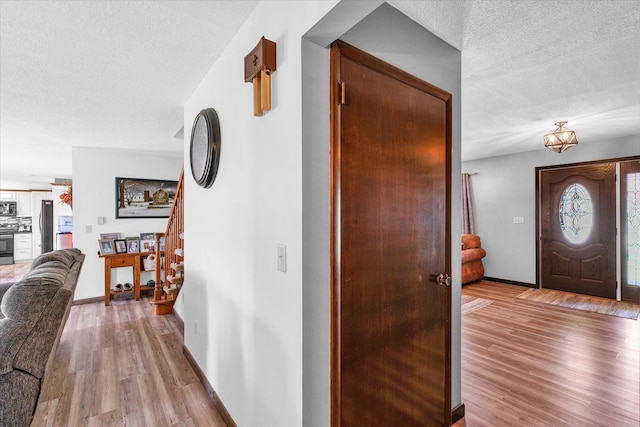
{"points": [[577, 229], [391, 297]]}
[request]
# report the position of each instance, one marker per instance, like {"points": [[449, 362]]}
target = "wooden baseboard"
{"points": [[215, 399], [511, 282], [457, 413], [87, 300]]}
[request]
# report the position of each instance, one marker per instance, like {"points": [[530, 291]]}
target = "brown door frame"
{"points": [[337, 95], [627, 292], [538, 235]]}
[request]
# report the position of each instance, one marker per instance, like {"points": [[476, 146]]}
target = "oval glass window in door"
{"points": [[576, 213]]}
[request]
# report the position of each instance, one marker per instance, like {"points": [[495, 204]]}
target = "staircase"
{"points": [[172, 260]]}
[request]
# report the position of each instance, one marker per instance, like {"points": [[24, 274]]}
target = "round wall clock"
{"points": [[205, 147]]}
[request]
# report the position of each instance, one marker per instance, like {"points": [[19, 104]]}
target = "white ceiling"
{"points": [[116, 73]]}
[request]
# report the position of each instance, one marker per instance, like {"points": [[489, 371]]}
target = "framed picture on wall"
{"points": [[144, 198]]}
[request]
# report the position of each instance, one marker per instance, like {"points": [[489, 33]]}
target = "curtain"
{"points": [[467, 208]]}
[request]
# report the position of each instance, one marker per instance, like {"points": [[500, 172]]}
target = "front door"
{"points": [[577, 230], [391, 171]]}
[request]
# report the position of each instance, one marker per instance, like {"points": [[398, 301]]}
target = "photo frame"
{"points": [[112, 236], [106, 246], [147, 245], [133, 244], [144, 198], [147, 236], [120, 246]]}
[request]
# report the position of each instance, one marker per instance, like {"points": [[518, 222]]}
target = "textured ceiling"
{"points": [[116, 73]]}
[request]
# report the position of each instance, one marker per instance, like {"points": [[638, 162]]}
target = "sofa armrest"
{"points": [[4, 287], [469, 255]]}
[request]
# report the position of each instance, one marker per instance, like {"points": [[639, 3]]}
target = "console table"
{"points": [[135, 260]]}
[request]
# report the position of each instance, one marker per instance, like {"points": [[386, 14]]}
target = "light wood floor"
{"points": [[120, 365], [524, 363], [13, 272]]}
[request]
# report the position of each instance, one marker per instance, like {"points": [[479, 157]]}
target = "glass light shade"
{"points": [[560, 139]]}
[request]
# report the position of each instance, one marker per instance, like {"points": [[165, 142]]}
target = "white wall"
{"points": [[243, 319], [504, 187], [94, 173]]}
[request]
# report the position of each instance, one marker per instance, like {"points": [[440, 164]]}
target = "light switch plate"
{"points": [[282, 258], [518, 220]]}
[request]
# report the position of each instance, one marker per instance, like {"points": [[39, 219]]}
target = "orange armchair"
{"points": [[472, 254]]}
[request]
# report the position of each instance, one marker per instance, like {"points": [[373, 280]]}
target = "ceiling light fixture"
{"points": [[560, 139]]}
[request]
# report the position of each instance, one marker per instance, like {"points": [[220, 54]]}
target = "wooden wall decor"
{"points": [[258, 66]]}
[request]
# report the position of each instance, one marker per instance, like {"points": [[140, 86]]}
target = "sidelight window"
{"points": [[576, 213], [633, 229]]}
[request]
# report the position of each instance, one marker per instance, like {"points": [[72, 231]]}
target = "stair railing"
{"points": [[173, 251]]}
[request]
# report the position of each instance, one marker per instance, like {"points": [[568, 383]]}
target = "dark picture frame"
{"points": [[144, 198], [121, 246], [147, 236]]}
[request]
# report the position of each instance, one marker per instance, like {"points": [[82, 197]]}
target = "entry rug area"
{"points": [[471, 304], [583, 302]]}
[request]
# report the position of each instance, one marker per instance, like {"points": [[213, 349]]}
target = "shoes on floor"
{"points": [[127, 286], [151, 283], [118, 288]]}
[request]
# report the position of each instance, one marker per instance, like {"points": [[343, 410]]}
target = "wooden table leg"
{"points": [[107, 281]]}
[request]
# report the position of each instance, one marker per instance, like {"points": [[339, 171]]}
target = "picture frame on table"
{"points": [[120, 246], [147, 236], [106, 246], [133, 244], [112, 236], [144, 198], [147, 245]]}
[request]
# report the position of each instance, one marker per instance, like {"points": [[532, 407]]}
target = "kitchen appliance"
{"points": [[7, 228], [8, 208], [65, 229], [46, 225]]}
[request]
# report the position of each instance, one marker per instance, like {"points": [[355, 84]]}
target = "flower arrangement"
{"points": [[66, 198]]}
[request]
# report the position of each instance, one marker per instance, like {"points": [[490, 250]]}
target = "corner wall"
{"points": [[504, 187]]}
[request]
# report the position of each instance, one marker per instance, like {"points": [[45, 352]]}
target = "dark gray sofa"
{"points": [[33, 313]]}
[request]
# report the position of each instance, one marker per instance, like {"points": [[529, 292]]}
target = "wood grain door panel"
{"points": [[587, 267], [391, 321]]}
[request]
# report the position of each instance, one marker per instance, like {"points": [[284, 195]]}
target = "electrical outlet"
{"points": [[282, 258], [518, 220]]}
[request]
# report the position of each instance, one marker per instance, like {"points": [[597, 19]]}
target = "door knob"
{"points": [[443, 279]]}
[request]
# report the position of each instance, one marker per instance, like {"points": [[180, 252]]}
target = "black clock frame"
{"points": [[212, 160]]}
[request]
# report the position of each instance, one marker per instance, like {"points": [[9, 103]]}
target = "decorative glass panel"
{"points": [[576, 213], [633, 228]]}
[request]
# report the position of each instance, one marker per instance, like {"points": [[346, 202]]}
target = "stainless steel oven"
{"points": [[7, 228], [6, 249]]}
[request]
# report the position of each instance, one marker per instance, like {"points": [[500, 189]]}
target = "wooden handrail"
{"points": [[175, 227]]}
